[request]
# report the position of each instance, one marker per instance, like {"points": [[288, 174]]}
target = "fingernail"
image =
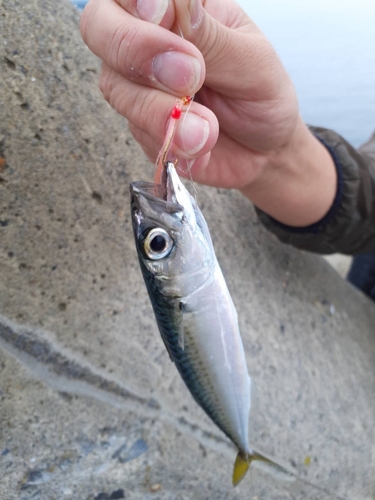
{"points": [[179, 72], [152, 11], [192, 133]]}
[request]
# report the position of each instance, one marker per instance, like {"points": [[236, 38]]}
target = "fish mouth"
{"points": [[162, 197]]}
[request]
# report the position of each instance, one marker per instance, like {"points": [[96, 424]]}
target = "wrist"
{"points": [[297, 183]]}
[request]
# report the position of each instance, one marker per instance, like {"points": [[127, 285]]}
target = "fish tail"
{"points": [[242, 464]]}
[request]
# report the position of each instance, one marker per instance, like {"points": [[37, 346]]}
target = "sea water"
{"points": [[328, 48]]}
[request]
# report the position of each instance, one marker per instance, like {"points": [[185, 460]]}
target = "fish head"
{"points": [[172, 239]]}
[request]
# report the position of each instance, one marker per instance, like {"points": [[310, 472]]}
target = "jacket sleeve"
{"points": [[349, 226]]}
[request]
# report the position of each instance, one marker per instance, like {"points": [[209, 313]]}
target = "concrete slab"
{"points": [[90, 403]]}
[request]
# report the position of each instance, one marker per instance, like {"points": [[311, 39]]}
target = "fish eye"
{"points": [[157, 244]]}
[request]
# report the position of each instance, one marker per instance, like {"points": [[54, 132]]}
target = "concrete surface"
{"points": [[91, 407]]}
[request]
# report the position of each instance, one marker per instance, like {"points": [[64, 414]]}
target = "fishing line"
{"points": [[189, 163], [169, 136], [165, 151]]}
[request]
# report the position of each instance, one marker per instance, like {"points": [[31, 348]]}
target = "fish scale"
{"points": [[193, 308], [168, 325]]}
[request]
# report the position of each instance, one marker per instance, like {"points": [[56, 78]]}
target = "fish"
{"points": [[194, 310]]}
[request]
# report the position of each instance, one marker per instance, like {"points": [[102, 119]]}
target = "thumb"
{"points": [[236, 52]]}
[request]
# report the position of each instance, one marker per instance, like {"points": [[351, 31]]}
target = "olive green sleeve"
{"points": [[349, 226]]}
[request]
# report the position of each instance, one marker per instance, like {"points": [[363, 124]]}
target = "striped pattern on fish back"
{"points": [[188, 361]]}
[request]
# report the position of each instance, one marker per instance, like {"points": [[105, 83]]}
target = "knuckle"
{"points": [[144, 109], [121, 46]]}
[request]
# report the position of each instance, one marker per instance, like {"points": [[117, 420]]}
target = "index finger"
{"points": [[140, 51]]}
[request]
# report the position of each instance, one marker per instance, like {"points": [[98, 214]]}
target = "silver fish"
{"points": [[193, 308]]}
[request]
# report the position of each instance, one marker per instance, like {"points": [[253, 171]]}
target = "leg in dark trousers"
{"points": [[362, 273]]}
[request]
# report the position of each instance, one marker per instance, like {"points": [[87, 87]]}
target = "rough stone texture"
{"points": [[91, 407]]}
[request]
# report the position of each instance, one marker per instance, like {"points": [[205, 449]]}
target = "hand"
{"points": [[243, 130]]}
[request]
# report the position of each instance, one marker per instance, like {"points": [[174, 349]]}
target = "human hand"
{"points": [[243, 130]]}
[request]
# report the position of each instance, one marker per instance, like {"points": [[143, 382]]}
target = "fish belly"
{"points": [[211, 359]]}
